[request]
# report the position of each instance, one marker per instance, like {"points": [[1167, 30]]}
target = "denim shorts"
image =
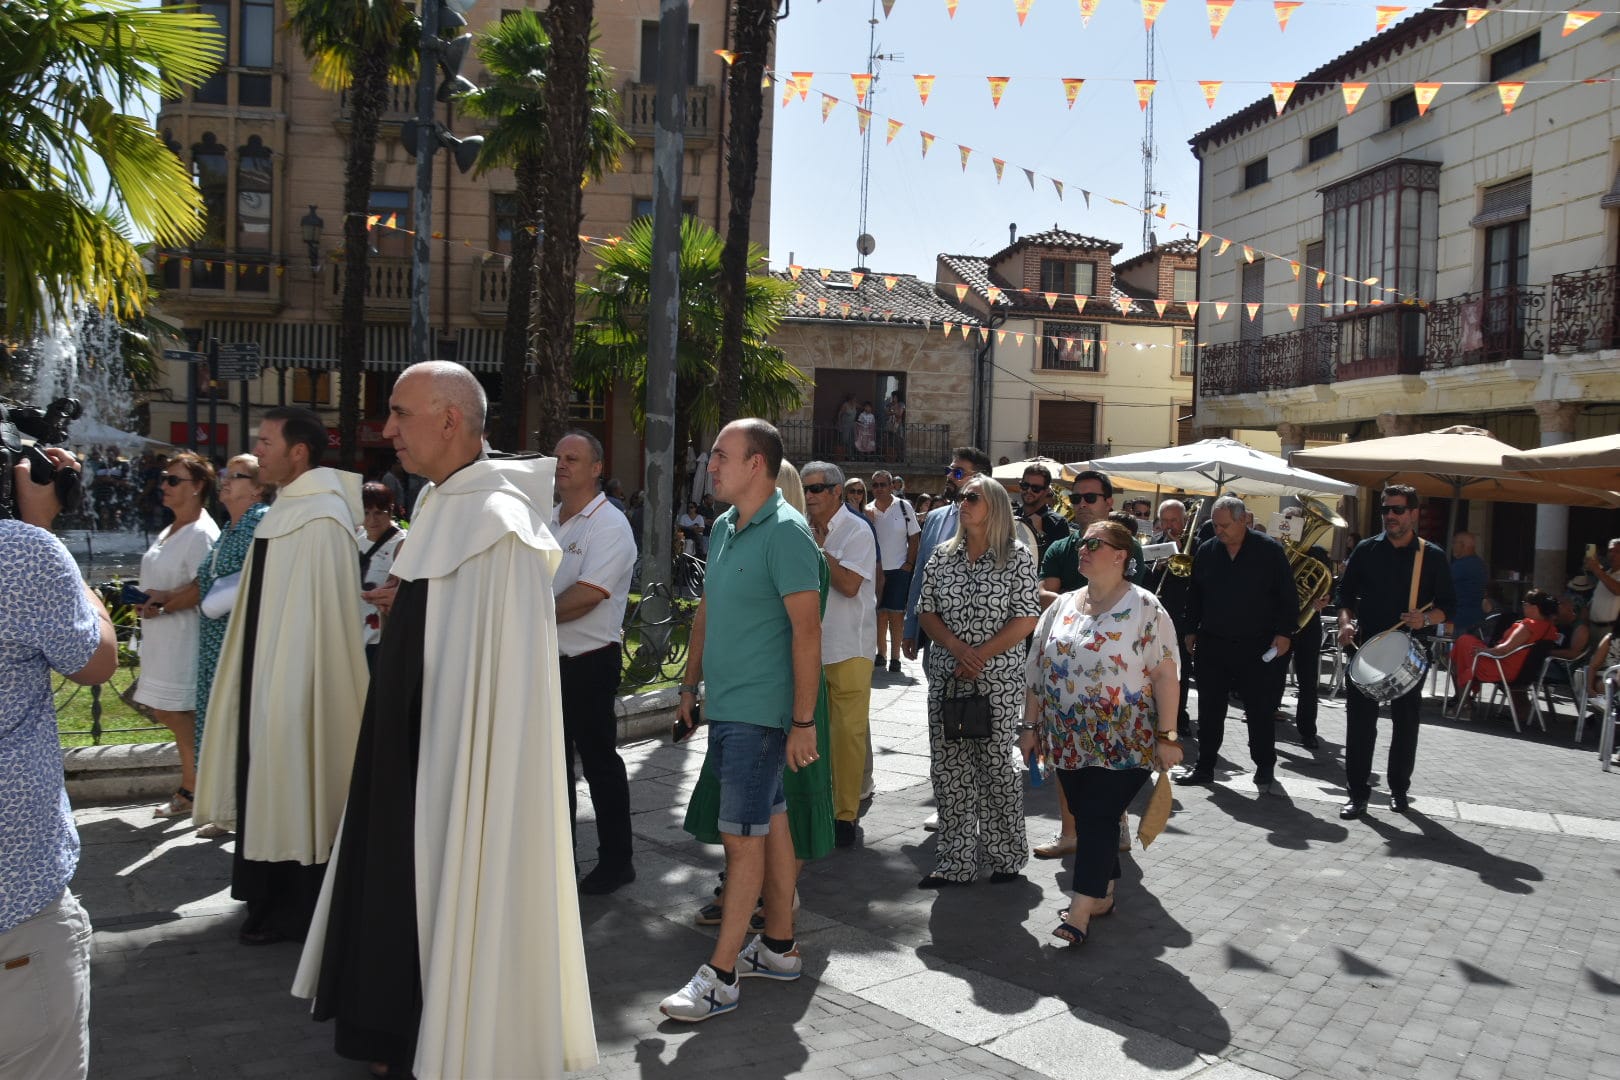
{"points": [[748, 759], [896, 590]]}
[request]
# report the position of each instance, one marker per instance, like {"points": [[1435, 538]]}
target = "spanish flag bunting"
{"points": [[948, 326], [828, 103], [888, 6], [1248, 253], [894, 129], [1058, 184], [1022, 8], [1352, 95], [863, 84], [1071, 90], [280, 270], [1225, 243], [372, 220], [765, 81], [856, 277], [1210, 87], [1159, 306], [1088, 8], [965, 330], [1150, 12], [927, 141], [1203, 238], [1220, 309], [1163, 212], [998, 86], [1425, 92], [1124, 305], [1218, 10], [1351, 304], [966, 152], [1280, 92], [843, 309], [1253, 309], [950, 9], [1001, 337], [888, 313], [1321, 276], [1285, 10], [1375, 301], [961, 293], [1384, 14], [1294, 266], [1144, 91], [1102, 347], [1293, 312], [1509, 93], [787, 93], [801, 83], [821, 304], [863, 117], [727, 55], [984, 335], [1475, 14], [1000, 167], [1192, 308], [1574, 20], [1029, 174], [799, 298], [889, 281], [825, 273], [994, 293], [794, 270], [925, 86], [1079, 302], [1051, 300], [1018, 337]]}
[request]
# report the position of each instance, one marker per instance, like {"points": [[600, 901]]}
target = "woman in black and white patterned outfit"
{"points": [[980, 599]]}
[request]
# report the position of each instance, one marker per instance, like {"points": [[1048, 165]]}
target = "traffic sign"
{"points": [[184, 356], [240, 350], [231, 370]]}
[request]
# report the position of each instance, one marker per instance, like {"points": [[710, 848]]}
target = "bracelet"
{"points": [[690, 688], [805, 724], [1022, 728]]}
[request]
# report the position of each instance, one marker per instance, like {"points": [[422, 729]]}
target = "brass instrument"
{"points": [[1312, 580], [1181, 563]]}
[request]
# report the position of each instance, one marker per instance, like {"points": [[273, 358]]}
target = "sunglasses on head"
{"points": [[1036, 489], [817, 489], [1092, 543], [1386, 508], [1089, 497]]}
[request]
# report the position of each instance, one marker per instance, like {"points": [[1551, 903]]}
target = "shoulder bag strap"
{"points": [[1417, 574]]}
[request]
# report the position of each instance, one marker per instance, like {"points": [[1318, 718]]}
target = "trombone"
{"points": [[1181, 563]]}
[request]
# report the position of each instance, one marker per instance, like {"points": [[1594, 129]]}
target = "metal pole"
{"points": [[213, 397], [421, 343], [194, 339], [663, 324], [245, 447]]}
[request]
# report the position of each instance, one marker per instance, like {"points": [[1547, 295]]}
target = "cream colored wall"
{"points": [[939, 384]]}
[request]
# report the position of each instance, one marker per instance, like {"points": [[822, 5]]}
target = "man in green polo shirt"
{"points": [[1093, 500], [762, 597]]}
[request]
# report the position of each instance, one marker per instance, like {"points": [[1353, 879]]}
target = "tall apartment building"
{"points": [[267, 147]]}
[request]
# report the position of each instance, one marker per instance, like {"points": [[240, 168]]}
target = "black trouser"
{"points": [[1361, 720], [1307, 661], [1183, 718], [590, 682], [1232, 665], [1096, 798]]}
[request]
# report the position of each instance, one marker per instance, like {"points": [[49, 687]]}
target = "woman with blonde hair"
{"points": [[980, 599]]}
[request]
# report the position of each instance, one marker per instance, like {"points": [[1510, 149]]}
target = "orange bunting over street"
{"points": [[856, 277], [1071, 90], [1425, 92], [1321, 276], [863, 84], [1384, 14], [925, 86], [1217, 10], [998, 86], [894, 129], [1509, 93], [1475, 14], [927, 141], [1051, 300], [1000, 165], [950, 8], [1220, 308], [821, 303], [890, 281], [961, 293], [994, 293], [1574, 20], [801, 83], [1204, 238], [1088, 8], [1150, 12], [1144, 91], [1253, 309], [1225, 243], [1022, 8], [1293, 312], [888, 6], [1159, 306], [1058, 185], [1210, 87], [1285, 10], [1192, 308], [966, 152], [794, 270], [825, 273], [727, 55], [1248, 253], [828, 103], [1352, 95], [1294, 266], [1280, 92], [863, 117], [1018, 337]]}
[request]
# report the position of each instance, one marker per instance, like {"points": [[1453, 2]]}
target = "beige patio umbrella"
{"points": [[1014, 470], [1591, 463]]}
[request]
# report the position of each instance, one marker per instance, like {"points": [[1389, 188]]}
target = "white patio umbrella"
{"points": [[1216, 464]]}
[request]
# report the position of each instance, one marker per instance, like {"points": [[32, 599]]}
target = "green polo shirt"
{"points": [[748, 638], [1062, 561]]}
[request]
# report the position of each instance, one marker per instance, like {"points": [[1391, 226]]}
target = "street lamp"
{"points": [[310, 225]]}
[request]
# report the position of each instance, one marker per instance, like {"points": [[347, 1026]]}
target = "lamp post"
{"points": [[310, 225]]}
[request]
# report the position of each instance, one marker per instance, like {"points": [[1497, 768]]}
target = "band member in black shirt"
{"points": [[1172, 593]]}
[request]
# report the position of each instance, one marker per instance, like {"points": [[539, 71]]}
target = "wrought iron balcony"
{"points": [[1585, 310], [1485, 327], [638, 104], [919, 444], [1066, 452]]}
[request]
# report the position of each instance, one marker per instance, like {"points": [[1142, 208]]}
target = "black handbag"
{"points": [[966, 716]]}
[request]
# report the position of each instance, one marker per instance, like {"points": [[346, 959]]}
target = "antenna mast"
{"points": [[1149, 152], [864, 244]]}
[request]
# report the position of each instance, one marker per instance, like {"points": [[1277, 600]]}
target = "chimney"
{"points": [[1012, 232]]}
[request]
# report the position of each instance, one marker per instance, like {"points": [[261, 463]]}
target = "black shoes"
{"points": [[844, 833], [1353, 809], [1399, 803], [1309, 742], [1264, 784], [606, 878], [894, 665], [1192, 776]]}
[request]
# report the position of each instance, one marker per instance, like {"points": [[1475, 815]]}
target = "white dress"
{"points": [[168, 678]]}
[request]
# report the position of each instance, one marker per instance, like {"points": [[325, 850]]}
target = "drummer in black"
{"points": [[1374, 595]]}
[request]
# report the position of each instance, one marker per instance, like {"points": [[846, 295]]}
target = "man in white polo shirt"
{"points": [[898, 533], [848, 635], [591, 585]]}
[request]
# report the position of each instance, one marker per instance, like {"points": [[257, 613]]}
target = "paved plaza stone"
{"points": [[1260, 936]]}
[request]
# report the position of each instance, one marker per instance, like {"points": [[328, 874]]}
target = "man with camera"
{"points": [[49, 621]]}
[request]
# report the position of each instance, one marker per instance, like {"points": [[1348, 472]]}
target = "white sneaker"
{"points": [[703, 997], [932, 824], [759, 960]]}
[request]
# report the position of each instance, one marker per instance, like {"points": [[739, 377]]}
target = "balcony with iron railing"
{"points": [[1066, 452], [917, 445], [1585, 311], [638, 112], [388, 284]]}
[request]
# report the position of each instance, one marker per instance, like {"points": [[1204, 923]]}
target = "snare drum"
{"points": [[1389, 665]]}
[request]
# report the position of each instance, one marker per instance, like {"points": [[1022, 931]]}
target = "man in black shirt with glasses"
{"points": [[1047, 526]]}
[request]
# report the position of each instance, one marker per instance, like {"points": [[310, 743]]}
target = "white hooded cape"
{"points": [[309, 678], [504, 988]]}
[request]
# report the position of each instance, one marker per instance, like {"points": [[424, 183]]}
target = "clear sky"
{"points": [[919, 207]]}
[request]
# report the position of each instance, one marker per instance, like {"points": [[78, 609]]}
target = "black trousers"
{"points": [[1183, 718], [1225, 666], [1361, 721], [1096, 798], [589, 683], [1306, 657]]}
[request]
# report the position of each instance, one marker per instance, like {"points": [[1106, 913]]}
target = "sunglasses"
{"points": [[817, 489], [1035, 489], [955, 473], [1089, 497], [1092, 543], [1387, 509], [171, 480], [973, 496], [228, 475]]}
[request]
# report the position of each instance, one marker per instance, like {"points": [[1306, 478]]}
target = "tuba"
{"points": [[1312, 580]]}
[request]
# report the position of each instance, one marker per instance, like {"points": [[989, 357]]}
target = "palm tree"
{"points": [[360, 46], [517, 55], [74, 77], [611, 341], [755, 21]]}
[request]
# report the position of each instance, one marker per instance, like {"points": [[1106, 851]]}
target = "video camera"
{"points": [[47, 427]]}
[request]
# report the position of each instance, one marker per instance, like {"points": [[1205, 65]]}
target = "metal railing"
{"points": [[1484, 327], [656, 633], [1066, 452], [68, 695], [916, 444], [1585, 310]]}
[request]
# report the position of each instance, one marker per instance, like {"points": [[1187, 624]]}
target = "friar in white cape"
{"points": [[447, 941], [284, 711]]}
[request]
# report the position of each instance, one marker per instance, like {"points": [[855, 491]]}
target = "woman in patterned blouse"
{"points": [[1103, 679], [980, 598]]}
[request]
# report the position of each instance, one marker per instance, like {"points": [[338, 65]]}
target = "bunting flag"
{"points": [[994, 293], [1204, 238], [825, 273], [1321, 276], [950, 8], [1079, 302], [1001, 337], [1475, 14], [1058, 184], [863, 117], [1254, 309], [925, 86], [794, 270], [821, 304], [1248, 253], [1352, 95], [927, 141], [894, 129], [1225, 243], [371, 221], [888, 6], [1022, 8], [828, 103], [856, 277], [890, 281], [863, 84], [1218, 10], [1029, 174], [801, 83], [1018, 337], [1086, 195], [1144, 91], [1220, 309], [1150, 12], [1509, 93], [1071, 90], [1574, 20], [948, 327], [727, 55], [1088, 8], [1294, 266], [961, 293], [1051, 300], [1293, 312], [1425, 92], [1384, 14], [998, 86], [966, 152], [1210, 87], [843, 309], [1000, 166], [1159, 306], [965, 330], [1280, 92], [1124, 305], [1285, 10], [1192, 308]]}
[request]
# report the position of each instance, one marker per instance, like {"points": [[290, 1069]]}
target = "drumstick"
{"points": [[1398, 622]]}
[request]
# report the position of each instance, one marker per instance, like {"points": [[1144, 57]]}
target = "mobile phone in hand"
{"points": [[132, 595], [680, 731]]}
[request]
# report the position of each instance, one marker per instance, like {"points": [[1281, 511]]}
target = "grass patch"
{"points": [[119, 722]]}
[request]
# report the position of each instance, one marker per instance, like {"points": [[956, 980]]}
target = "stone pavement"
{"points": [[1258, 936]]}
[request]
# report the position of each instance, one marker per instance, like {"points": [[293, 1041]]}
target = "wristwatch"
{"points": [[1169, 736], [689, 688]]}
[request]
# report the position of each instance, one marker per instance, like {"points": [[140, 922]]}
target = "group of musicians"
{"points": [[1251, 608]]}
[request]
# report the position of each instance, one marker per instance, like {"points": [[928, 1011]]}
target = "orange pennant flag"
{"points": [[825, 273], [1280, 92], [1022, 8], [821, 303], [994, 293], [894, 129], [1218, 10], [1079, 303], [1352, 95], [1192, 308], [1253, 309], [1383, 15], [1321, 276], [1058, 186], [828, 103], [1159, 306], [961, 293], [1294, 266], [372, 220], [1071, 90], [1125, 305], [856, 277], [727, 55], [889, 281], [1210, 87], [927, 141], [1051, 300], [888, 6], [863, 83], [1000, 166], [1225, 243], [1285, 10], [1248, 253], [1293, 312], [966, 152], [948, 327], [1018, 337], [1574, 20], [1144, 91], [1475, 14], [925, 86], [1203, 238], [1425, 92], [1001, 337], [998, 86], [950, 9], [794, 270], [801, 83], [1220, 308], [1150, 12], [965, 330], [1509, 93], [1088, 8], [863, 117], [843, 309]]}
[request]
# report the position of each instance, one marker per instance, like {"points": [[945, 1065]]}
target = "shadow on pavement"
{"points": [[1287, 824], [1438, 844]]}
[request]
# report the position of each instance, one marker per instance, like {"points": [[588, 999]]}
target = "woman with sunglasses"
{"points": [[1103, 682], [978, 602], [168, 679]]}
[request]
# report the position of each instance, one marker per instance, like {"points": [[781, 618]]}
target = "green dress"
{"points": [[230, 552], [808, 791]]}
